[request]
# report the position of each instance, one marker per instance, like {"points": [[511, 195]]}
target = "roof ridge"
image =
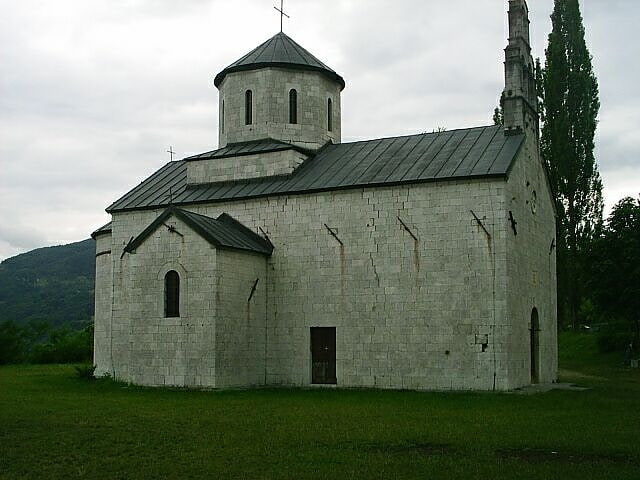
{"points": [[297, 46], [419, 134], [251, 147], [238, 236]]}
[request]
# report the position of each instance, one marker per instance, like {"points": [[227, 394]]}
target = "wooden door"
{"points": [[534, 341], [323, 355]]}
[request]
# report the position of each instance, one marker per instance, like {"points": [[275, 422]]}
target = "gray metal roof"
{"points": [[247, 148], [279, 51], [102, 230], [223, 232], [457, 154]]}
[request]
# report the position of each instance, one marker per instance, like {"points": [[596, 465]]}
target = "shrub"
{"points": [[12, 343], [611, 340], [86, 372], [65, 346]]}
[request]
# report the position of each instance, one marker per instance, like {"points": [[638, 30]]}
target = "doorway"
{"points": [[323, 355], [534, 340]]}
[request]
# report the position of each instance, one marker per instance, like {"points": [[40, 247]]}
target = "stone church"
{"points": [[285, 257]]}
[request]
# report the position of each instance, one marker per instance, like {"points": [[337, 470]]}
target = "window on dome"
{"points": [[222, 118], [248, 107], [293, 106]]}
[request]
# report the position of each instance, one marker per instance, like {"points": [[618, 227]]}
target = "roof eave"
{"points": [[219, 78], [491, 176], [172, 210]]}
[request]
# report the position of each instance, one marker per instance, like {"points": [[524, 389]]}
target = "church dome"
{"points": [[280, 51]]}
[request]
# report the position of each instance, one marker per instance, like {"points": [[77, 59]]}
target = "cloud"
{"points": [[92, 93]]}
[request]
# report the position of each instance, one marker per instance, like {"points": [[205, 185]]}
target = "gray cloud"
{"points": [[92, 93]]}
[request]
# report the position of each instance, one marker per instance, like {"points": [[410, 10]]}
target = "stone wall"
{"points": [[409, 313], [270, 87], [103, 300], [244, 167], [531, 268], [150, 348], [240, 321]]}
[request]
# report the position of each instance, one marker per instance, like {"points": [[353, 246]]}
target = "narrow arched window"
{"points": [[293, 106], [222, 117], [248, 107], [330, 115], [172, 294]]}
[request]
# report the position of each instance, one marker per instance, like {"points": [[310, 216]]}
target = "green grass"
{"points": [[54, 425]]}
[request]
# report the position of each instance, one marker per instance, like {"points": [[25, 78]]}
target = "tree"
{"points": [[498, 114], [614, 270], [12, 343], [570, 109]]}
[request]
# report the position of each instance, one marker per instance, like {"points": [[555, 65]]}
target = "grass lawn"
{"points": [[54, 425]]}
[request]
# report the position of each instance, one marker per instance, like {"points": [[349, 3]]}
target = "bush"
{"points": [[37, 342], [65, 346], [613, 341], [86, 372], [12, 343]]}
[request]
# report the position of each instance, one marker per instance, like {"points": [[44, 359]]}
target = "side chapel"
{"points": [[285, 257]]}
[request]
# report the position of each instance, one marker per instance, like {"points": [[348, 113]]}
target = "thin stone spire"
{"points": [[519, 97]]}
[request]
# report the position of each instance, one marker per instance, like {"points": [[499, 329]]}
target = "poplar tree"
{"points": [[570, 109]]}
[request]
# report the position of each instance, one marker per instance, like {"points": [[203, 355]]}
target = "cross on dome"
{"points": [[282, 14]]}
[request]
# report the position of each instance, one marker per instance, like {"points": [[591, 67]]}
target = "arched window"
{"points": [[172, 294], [330, 115], [293, 106], [248, 107]]}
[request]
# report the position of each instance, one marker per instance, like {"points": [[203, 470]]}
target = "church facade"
{"points": [[286, 257]]}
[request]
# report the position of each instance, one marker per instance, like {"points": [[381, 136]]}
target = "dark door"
{"points": [[535, 345], [323, 355]]}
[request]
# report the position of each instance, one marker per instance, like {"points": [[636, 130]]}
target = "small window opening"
{"points": [[293, 106], [248, 107], [330, 115], [222, 118], [172, 294]]}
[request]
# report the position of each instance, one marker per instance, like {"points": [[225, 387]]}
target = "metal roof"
{"points": [[223, 232], [279, 51], [102, 230], [247, 148], [457, 154]]}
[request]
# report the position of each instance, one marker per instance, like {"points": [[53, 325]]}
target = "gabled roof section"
{"points": [[279, 51], [103, 230], [248, 148], [480, 152], [223, 232]]}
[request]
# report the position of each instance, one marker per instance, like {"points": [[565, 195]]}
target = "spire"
{"points": [[518, 21], [519, 99]]}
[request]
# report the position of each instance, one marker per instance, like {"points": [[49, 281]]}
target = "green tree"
{"points": [[498, 114], [570, 110], [12, 342], [614, 268]]}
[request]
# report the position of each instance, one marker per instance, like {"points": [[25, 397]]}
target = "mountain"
{"points": [[54, 284]]}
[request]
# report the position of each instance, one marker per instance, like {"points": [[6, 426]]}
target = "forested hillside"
{"points": [[52, 284]]}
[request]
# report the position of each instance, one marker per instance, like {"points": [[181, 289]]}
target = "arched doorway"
{"points": [[534, 338]]}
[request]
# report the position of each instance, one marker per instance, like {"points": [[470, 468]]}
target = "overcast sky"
{"points": [[93, 92]]}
